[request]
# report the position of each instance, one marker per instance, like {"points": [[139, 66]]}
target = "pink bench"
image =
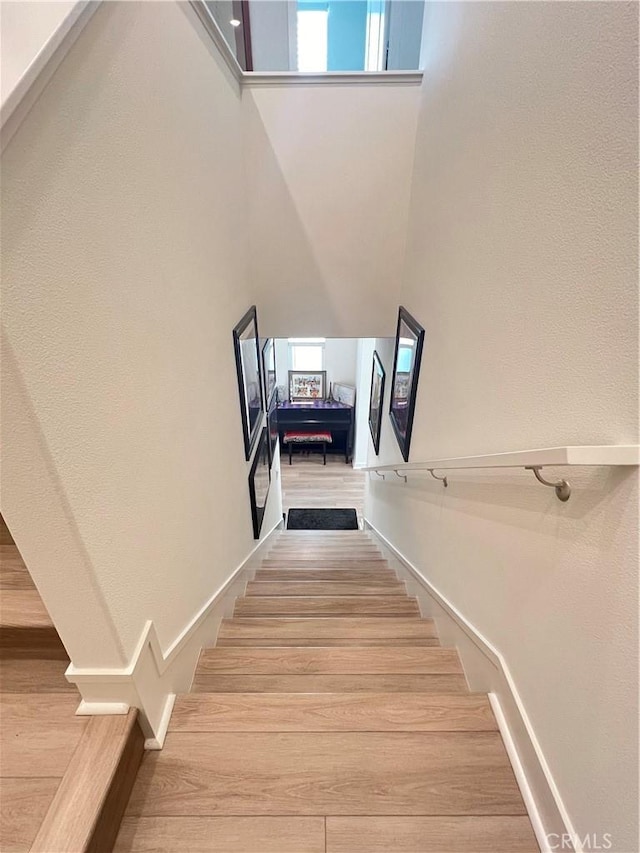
{"points": [[308, 437]]}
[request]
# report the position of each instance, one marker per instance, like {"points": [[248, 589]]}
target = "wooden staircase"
{"points": [[59, 773], [328, 719]]}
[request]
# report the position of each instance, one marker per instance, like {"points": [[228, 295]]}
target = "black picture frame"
{"points": [[272, 427], [246, 345], [259, 483], [406, 371], [376, 401], [269, 371]]}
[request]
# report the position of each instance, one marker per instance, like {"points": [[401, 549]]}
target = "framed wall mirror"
{"points": [[247, 350], [272, 427], [406, 369], [376, 401], [259, 482], [269, 371]]}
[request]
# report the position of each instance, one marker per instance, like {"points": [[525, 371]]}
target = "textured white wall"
{"points": [[124, 272], [522, 266], [329, 173]]}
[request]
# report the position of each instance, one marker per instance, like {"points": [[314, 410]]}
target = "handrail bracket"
{"points": [[562, 487], [442, 480]]}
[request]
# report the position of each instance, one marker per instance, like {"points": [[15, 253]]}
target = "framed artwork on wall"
{"points": [[259, 482], [307, 385], [376, 401], [406, 369], [269, 371], [247, 350]]}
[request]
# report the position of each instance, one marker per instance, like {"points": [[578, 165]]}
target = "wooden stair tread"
{"points": [[205, 834], [13, 572], [288, 712], [328, 683], [24, 804], [308, 587], [326, 562], [324, 553], [37, 675], [86, 810], [39, 733], [379, 576], [280, 642], [222, 835], [356, 626], [23, 608], [377, 660], [460, 834], [355, 605], [327, 773]]}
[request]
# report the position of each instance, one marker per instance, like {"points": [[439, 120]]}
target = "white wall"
{"points": [[270, 34], [522, 266], [124, 246], [366, 347], [329, 171]]}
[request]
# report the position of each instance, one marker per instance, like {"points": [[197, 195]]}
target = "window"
{"points": [[306, 353], [375, 59], [312, 39]]}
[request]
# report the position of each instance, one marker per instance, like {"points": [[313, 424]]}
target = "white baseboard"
{"points": [[157, 742], [487, 671], [154, 676]]}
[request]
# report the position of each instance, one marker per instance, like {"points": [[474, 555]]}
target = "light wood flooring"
{"points": [[328, 719], [39, 731], [61, 784], [308, 484]]}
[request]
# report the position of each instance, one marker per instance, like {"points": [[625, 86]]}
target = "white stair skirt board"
{"points": [[487, 672], [154, 676]]}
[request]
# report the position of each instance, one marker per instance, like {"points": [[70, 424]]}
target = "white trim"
{"points": [[215, 33], [607, 455], [157, 742], [252, 79], [529, 764], [102, 709], [154, 676], [518, 770], [30, 86]]}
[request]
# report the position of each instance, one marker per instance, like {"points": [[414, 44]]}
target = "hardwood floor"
{"points": [[328, 719], [307, 483], [61, 775], [38, 727]]}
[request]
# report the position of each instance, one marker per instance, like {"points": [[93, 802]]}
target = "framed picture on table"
{"points": [[406, 370], [307, 385]]}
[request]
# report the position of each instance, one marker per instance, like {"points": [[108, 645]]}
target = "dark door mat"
{"points": [[322, 519]]}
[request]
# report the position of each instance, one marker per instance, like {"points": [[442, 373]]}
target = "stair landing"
{"points": [[328, 719]]}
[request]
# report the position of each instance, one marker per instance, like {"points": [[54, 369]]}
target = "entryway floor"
{"points": [[307, 483]]}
